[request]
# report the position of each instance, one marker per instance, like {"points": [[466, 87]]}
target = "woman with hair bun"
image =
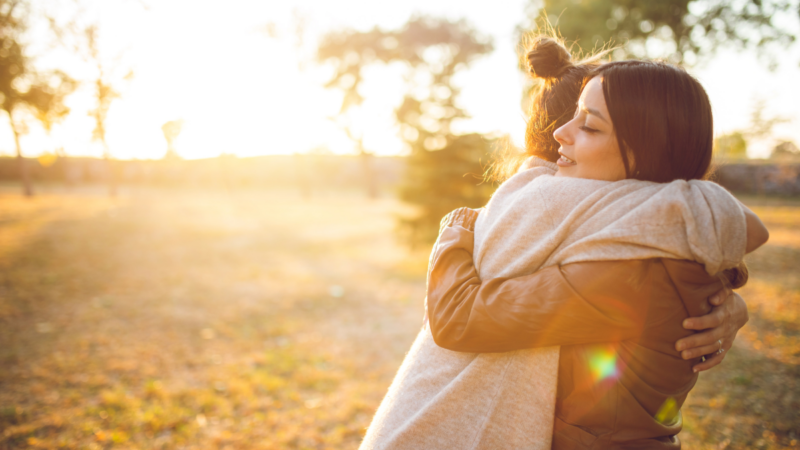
{"points": [[553, 103], [555, 310]]}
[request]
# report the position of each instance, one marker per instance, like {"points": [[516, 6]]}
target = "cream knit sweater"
{"points": [[442, 399]]}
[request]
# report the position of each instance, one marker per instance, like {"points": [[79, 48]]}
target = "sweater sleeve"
{"points": [[716, 227], [577, 303]]}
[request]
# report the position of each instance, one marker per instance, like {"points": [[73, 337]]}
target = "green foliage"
{"points": [[439, 181], [679, 30], [20, 84], [731, 145], [45, 97], [40, 93], [433, 50]]}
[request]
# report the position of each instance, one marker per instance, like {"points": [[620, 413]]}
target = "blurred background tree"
{"points": [[351, 52], [786, 151], [443, 167], [731, 145], [104, 95], [678, 30], [26, 91], [172, 130]]}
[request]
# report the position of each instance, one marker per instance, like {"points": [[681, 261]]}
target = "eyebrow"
{"points": [[595, 113]]}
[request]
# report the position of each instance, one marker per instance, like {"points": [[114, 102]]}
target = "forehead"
{"points": [[592, 97], [593, 92]]}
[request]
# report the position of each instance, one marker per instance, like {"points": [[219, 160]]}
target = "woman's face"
{"points": [[589, 147]]}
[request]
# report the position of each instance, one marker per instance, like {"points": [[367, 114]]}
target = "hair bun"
{"points": [[548, 58]]}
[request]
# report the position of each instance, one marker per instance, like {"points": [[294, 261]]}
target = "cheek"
{"points": [[590, 149], [599, 159], [613, 160]]}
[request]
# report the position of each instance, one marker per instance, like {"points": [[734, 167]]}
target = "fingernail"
{"points": [[686, 323], [715, 299], [694, 369], [681, 346]]}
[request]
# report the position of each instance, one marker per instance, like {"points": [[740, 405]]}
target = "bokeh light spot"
{"points": [[668, 411], [603, 364]]}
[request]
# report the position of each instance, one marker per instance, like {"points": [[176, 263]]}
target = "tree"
{"points": [[24, 90], [440, 161], [760, 125], [785, 151], [731, 145], [351, 53], [306, 53], [678, 30], [172, 130], [104, 94], [734, 144]]}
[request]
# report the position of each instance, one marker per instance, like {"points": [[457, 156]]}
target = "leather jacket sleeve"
{"points": [[577, 303]]}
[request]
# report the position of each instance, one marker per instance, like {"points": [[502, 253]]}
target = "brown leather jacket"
{"points": [[621, 382]]}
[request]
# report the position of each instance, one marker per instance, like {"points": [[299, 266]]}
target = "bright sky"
{"points": [[240, 91]]}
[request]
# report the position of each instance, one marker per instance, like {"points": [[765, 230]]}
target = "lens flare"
{"points": [[668, 412], [603, 364]]}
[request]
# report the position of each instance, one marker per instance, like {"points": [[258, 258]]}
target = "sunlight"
{"points": [[241, 91]]}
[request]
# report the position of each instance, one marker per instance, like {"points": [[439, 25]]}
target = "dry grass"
{"points": [[252, 319], [199, 320], [753, 399]]}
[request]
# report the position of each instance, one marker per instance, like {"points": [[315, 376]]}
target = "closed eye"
{"points": [[588, 130]]}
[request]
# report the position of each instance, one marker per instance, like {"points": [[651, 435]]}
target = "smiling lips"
{"points": [[564, 161]]}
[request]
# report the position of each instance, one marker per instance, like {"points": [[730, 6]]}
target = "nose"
{"points": [[562, 134]]}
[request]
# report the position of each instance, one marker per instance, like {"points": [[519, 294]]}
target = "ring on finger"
{"points": [[719, 350]]}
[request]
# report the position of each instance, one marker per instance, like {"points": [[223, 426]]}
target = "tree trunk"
{"points": [[24, 174]]}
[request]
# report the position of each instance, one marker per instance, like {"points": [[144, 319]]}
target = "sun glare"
{"points": [[243, 88]]}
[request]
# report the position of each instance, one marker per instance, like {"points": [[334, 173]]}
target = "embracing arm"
{"points": [[504, 314], [572, 304], [728, 315]]}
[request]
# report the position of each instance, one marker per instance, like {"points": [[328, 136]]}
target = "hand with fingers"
{"points": [[716, 330]]}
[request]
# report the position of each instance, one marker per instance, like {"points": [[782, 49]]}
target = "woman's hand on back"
{"points": [[728, 315]]}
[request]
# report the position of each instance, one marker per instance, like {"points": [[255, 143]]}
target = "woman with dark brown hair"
{"points": [[605, 242]]}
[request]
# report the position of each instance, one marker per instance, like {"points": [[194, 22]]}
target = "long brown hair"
{"points": [[663, 122], [662, 119]]}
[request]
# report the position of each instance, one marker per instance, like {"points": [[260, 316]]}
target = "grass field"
{"points": [[253, 319]]}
